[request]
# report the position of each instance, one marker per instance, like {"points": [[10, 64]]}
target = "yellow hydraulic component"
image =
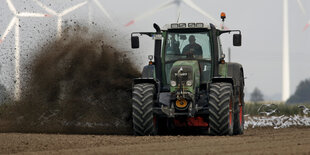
{"points": [[181, 103]]}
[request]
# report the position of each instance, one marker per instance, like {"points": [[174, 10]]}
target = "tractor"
{"points": [[188, 85]]}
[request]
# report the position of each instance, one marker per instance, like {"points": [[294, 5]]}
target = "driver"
{"points": [[192, 48]]}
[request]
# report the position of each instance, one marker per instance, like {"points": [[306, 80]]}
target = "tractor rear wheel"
{"points": [[144, 121], [221, 109]]}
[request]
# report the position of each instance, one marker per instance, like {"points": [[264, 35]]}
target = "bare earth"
{"points": [[254, 141]]}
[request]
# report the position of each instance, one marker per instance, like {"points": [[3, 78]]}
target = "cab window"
{"points": [[180, 46], [188, 46]]}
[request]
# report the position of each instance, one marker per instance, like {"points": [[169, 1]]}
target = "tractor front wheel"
{"points": [[221, 116], [144, 121]]}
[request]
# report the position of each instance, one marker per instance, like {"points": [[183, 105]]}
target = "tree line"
{"points": [[301, 95]]}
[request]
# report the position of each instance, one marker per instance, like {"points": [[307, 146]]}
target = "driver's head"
{"points": [[191, 39]]}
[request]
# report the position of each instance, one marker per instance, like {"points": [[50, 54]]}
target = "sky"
{"points": [[259, 20]]}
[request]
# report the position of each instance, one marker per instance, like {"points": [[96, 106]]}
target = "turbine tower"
{"points": [[286, 48], [285, 61], [59, 15], [168, 4], [15, 22]]}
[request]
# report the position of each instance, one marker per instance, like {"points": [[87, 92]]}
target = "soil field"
{"points": [[254, 141]]}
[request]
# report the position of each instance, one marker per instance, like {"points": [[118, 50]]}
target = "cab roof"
{"points": [[186, 26]]}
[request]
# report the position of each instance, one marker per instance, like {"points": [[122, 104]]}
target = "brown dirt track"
{"points": [[254, 141]]}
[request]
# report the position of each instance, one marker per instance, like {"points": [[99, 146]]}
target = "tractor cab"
{"points": [[188, 45]]}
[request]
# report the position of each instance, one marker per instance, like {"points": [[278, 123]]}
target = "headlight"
{"points": [[189, 83], [173, 83]]}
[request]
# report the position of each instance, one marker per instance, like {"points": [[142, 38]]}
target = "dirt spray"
{"points": [[78, 84]]}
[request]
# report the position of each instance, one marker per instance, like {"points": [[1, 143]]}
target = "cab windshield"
{"points": [[193, 46], [188, 46]]}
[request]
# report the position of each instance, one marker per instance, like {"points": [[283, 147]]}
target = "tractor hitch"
{"points": [[191, 112]]}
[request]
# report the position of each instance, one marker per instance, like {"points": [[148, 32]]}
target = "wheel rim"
{"points": [[240, 115], [240, 111]]}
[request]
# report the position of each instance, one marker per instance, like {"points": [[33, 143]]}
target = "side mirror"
{"points": [[237, 39], [135, 42]]}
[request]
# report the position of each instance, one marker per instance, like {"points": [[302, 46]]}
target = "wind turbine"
{"points": [[100, 7], [15, 22], [168, 4], [285, 61], [59, 15]]}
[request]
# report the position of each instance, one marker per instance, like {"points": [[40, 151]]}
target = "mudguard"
{"points": [[235, 71], [148, 72], [148, 76], [223, 79]]}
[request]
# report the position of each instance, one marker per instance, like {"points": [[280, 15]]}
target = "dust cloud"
{"points": [[78, 84]]}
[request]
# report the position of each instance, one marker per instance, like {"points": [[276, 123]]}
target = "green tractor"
{"points": [[188, 85]]}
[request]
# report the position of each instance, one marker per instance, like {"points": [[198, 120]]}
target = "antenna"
{"points": [[178, 17]]}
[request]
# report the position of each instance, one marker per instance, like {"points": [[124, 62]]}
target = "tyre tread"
{"points": [[219, 99], [142, 109]]}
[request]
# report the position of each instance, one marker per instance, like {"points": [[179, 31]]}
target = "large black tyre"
{"points": [[142, 109], [239, 114], [221, 109]]}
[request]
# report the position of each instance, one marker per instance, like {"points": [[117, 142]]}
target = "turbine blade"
{"points": [[130, 23], [59, 31], [151, 12], [8, 29], [45, 8], [102, 9], [302, 8], [11, 6], [72, 8], [307, 25], [198, 9], [29, 14]]}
